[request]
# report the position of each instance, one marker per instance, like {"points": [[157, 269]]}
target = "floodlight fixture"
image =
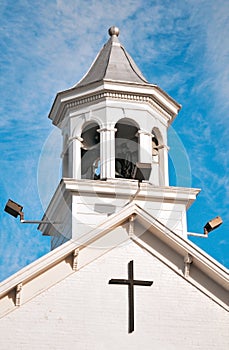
{"points": [[210, 226], [142, 171], [15, 209]]}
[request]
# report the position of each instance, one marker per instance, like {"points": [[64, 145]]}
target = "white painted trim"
{"points": [[55, 260]]}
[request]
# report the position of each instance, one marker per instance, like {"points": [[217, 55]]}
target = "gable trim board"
{"points": [[204, 273]]}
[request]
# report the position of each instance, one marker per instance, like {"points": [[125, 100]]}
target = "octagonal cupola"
{"points": [[114, 122]]}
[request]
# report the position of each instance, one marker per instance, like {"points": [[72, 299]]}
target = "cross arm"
{"points": [[143, 283], [118, 281]]}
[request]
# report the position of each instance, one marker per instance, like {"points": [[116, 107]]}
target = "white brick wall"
{"points": [[85, 312]]}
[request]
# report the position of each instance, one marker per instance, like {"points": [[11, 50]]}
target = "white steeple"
{"points": [[112, 114], [114, 126]]}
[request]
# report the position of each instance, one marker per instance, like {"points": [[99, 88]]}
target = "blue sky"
{"points": [[47, 46]]}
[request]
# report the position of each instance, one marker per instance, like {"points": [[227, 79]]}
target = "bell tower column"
{"points": [[107, 152], [165, 172], [145, 155], [75, 151]]}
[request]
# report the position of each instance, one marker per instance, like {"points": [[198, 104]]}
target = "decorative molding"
{"points": [[119, 95], [75, 255], [105, 94], [73, 138], [161, 147], [70, 140], [18, 294], [131, 225], [187, 264], [107, 129], [144, 132]]}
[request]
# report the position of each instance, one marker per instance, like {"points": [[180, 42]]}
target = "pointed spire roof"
{"points": [[113, 63], [112, 69]]}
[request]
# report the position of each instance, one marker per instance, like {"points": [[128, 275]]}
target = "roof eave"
{"points": [[64, 256], [165, 101]]}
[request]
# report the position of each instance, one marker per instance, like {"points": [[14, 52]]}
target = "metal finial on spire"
{"points": [[113, 31]]}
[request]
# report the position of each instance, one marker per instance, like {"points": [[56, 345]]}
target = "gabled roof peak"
{"points": [[58, 264], [113, 63]]}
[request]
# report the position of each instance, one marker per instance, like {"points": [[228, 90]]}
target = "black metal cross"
{"points": [[131, 283]]}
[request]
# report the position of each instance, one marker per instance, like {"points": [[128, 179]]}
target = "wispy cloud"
{"points": [[48, 46]]}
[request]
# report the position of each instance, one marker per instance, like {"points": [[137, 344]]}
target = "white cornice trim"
{"points": [[151, 95]]}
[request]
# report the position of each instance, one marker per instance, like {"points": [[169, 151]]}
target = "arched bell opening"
{"points": [[155, 148], [90, 152], [126, 148]]}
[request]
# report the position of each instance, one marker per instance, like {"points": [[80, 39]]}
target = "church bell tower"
{"points": [[114, 126]]}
